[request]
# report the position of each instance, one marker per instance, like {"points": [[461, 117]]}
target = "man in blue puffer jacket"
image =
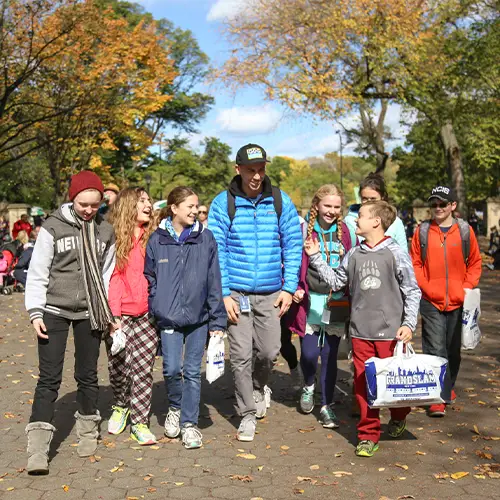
{"points": [[258, 233]]}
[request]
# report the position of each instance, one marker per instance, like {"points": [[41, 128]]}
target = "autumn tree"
{"points": [[330, 58]]}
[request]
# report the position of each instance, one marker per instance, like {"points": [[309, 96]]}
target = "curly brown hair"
{"points": [[322, 192], [123, 216]]}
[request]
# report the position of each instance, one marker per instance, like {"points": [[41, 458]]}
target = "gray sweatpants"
{"points": [[257, 335]]}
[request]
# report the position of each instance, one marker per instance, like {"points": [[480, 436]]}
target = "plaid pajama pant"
{"points": [[131, 370]]}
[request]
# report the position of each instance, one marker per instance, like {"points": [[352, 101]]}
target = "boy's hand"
{"points": [[404, 334], [232, 309], [298, 296], [284, 301], [311, 246]]}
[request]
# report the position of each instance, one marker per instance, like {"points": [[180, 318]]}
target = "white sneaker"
{"points": [[267, 396], [296, 377], [260, 404], [172, 423], [191, 437], [246, 430]]}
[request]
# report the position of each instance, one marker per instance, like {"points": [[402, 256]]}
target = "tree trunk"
{"points": [[373, 133], [455, 166]]}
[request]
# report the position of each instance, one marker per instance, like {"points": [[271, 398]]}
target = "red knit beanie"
{"points": [[84, 180]]}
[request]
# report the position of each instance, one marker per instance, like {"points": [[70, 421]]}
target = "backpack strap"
{"points": [[352, 234], [231, 206], [464, 229], [277, 201], [423, 235]]}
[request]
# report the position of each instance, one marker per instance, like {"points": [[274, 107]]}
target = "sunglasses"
{"points": [[202, 212], [439, 205]]}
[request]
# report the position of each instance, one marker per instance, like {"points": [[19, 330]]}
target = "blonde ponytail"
{"points": [[313, 215]]}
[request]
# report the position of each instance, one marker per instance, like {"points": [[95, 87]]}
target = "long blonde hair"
{"points": [[123, 216], [322, 192]]}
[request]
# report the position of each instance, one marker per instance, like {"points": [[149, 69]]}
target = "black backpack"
{"points": [[464, 228], [277, 200]]}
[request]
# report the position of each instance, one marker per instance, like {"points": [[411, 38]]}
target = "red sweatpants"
{"points": [[369, 423]]}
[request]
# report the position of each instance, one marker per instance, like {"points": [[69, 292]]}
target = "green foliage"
{"points": [[207, 174]]}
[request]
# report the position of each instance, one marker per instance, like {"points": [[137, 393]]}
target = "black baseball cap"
{"points": [[250, 154], [443, 193]]}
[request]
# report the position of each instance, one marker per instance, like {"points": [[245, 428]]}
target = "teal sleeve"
{"points": [[397, 232]]}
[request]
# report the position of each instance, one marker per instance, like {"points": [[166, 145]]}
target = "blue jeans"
{"points": [[183, 377]]}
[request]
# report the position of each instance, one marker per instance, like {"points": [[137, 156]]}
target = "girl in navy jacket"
{"points": [[185, 297]]}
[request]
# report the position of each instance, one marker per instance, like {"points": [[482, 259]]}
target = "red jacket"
{"points": [[128, 288], [21, 226], [444, 275]]}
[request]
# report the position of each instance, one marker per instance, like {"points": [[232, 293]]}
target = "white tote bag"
{"points": [[471, 334], [405, 379], [215, 358]]}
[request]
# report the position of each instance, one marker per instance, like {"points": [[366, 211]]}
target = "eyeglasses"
{"points": [[202, 212], [439, 205]]}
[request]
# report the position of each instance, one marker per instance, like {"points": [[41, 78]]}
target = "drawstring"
{"points": [[321, 336]]}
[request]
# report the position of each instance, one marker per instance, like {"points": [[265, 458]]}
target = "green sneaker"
{"points": [[396, 428], [366, 448], [118, 420], [142, 434], [307, 400]]}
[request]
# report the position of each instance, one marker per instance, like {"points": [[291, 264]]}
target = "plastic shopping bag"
{"points": [[405, 379], [215, 358], [119, 341], [471, 335]]}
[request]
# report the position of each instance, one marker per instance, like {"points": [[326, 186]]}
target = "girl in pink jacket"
{"points": [[131, 369]]}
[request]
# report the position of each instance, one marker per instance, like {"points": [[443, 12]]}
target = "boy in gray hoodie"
{"points": [[385, 298]]}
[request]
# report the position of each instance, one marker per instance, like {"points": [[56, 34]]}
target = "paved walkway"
{"points": [[292, 455]]}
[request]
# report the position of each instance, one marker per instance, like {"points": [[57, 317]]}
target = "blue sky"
{"points": [[246, 117]]}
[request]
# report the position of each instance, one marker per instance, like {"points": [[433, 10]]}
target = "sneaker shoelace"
{"points": [[192, 434], [173, 418], [118, 413], [307, 395], [143, 429], [329, 411]]}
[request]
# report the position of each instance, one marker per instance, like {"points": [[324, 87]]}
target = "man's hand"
{"points": [[40, 328], [311, 246], [298, 296], [232, 309], [404, 334], [220, 333], [284, 301]]}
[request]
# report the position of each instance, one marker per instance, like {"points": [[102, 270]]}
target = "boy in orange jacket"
{"points": [[443, 273]]}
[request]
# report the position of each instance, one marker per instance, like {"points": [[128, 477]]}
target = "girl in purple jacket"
{"points": [[320, 315]]}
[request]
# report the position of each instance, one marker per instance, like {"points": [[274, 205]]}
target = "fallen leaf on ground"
{"points": [[479, 476], [341, 473], [314, 467], [239, 477], [305, 479], [459, 475], [421, 453], [307, 429], [298, 491], [381, 469], [441, 475], [260, 467], [248, 456], [178, 484], [457, 450], [65, 487], [151, 489], [285, 447], [402, 466], [476, 430], [154, 447]]}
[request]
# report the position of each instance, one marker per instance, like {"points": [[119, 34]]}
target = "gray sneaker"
{"points": [[191, 436], [246, 430], [328, 418], [260, 403], [307, 400], [172, 423], [267, 395]]}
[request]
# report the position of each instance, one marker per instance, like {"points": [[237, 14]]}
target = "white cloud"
{"points": [[248, 119], [226, 9]]}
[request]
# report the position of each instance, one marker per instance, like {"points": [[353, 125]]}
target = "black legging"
{"points": [[288, 350]]}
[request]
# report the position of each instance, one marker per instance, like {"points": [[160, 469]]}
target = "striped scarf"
{"points": [[99, 311]]}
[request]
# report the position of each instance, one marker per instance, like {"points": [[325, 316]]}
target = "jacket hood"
{"points": [[236, 187], [64, 214], [379, 246], [166, 238]]}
